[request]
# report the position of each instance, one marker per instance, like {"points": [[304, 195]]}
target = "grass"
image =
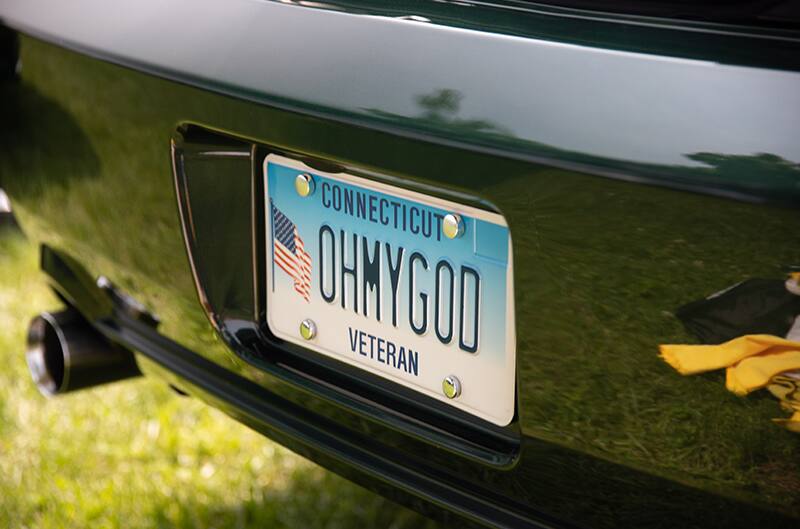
{"points": [[134, 454]]}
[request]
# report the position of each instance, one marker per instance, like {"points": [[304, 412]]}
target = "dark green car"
{"points": [[439, 242]]}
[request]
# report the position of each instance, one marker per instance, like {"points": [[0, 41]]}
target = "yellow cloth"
{"points": [[756, 372], [792, 423], [692, 359], [786, 387], [752, 362]]}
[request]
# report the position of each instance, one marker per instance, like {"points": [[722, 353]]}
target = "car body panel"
{"points": [[530, 96], [605, 434]]}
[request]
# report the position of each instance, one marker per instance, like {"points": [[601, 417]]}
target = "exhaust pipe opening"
{"points": [[65, 353]]}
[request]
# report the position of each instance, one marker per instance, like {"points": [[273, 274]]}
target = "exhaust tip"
{"points": [[65, 353], [46, 354]]}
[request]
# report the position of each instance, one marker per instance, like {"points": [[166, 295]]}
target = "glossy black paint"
{"points": [[9, 53], [545, 88], [605, 434]]}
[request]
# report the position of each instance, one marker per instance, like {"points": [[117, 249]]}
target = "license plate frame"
{"points": [[468, 315]]}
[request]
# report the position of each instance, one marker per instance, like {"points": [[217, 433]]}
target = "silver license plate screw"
{"points": [[451, 386], [453, 226], [304, 184], [308, 329]]}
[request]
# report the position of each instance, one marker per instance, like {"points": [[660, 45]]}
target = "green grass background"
{"points": [[134, 454]]}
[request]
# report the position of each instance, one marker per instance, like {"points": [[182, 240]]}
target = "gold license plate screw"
{"points": [[308, 329], [304, 184], [451, 386], [453, 226]]}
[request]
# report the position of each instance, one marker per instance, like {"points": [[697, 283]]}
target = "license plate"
{"points": [[367, 273]]}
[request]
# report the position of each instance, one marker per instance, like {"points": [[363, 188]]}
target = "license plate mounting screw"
{"points": [[451, 386], [304, 184], [308, 329], [453, 226]]}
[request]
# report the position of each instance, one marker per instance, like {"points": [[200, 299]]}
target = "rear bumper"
{"points": [[362, 458], [602, 436]]}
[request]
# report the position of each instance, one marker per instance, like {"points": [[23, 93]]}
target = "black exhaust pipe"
{"points": [[65, 353]]}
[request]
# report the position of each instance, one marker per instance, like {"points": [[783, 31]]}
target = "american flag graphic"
{"points": [[288, 252]]}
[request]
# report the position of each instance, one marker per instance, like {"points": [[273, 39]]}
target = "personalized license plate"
{"points": [[410, 287]]}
